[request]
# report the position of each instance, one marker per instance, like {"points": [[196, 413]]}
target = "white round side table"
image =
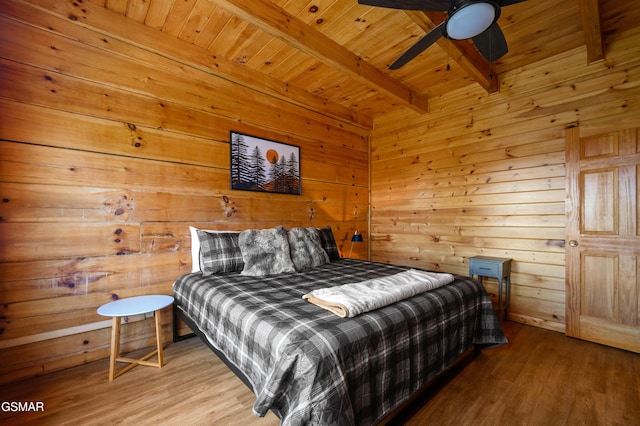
{"points": [[136, 305]]}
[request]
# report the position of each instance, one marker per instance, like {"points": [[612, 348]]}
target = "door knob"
{"points": [[573, 243]]}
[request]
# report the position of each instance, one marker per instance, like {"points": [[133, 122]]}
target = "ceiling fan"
{"points": [[474, 19]]}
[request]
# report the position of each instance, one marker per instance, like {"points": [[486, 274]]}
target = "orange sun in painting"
{"points": [[272, 156]]}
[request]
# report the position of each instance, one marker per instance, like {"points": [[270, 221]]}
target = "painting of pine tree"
{"points": [[259, 164]]}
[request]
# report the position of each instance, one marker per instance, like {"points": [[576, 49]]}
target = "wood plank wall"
{"points": [[109, 151], [484, 174]]}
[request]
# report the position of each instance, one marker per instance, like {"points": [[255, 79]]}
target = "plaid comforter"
{"points": [[312, 367]]}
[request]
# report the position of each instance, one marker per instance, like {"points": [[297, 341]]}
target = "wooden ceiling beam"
{"points": [[463, 52], [590, 12], [277, 22]]}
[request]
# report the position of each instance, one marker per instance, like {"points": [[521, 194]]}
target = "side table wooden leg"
{"points": [[159, 337], [115, 347], [500, 311], [506, 308]]}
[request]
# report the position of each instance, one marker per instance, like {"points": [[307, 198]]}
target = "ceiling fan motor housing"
{"points": [[466, 19], [469, 18]]}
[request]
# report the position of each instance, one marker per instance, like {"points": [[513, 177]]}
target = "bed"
{"points": [[311, 366]]}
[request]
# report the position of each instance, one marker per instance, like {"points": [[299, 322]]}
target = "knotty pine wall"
{"points": [[484, 174], [109, 151]]}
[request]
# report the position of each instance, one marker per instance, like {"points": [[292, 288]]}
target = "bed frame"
{"points": [[179, 314], [398, 417]]}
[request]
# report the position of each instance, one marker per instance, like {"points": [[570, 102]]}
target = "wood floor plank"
{"points": [[193, 388], [540, 378]]}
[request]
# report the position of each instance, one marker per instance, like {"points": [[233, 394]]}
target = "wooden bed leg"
{"points": [[177, 315], [175, 323]]}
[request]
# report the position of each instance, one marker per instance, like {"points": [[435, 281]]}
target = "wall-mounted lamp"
{"points": [[357, 238]]}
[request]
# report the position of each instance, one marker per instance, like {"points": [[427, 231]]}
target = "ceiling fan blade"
{"points": [[503, 3], [430, 5], [491, 43], [419, 47]]}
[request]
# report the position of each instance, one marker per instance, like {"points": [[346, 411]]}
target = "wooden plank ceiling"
{"points": [[336, 52]]}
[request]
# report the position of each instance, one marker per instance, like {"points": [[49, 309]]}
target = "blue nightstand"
{"points": [[493, 267]]}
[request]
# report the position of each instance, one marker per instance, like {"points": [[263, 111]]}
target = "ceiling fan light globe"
{"points": [[470, 20]]}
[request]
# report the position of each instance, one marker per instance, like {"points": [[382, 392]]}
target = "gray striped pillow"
{"points": [[328, 243]]}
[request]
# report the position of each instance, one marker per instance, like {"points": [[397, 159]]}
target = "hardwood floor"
{"points": [[193, 388], [540, 378]]}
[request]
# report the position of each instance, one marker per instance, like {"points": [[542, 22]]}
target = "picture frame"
{"points": [[263, 165]]}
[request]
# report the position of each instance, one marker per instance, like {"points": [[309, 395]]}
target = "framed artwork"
{"points": [[264, 165]]}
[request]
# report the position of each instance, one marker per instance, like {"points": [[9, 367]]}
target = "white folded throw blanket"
{"points": [[349, 300]]}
